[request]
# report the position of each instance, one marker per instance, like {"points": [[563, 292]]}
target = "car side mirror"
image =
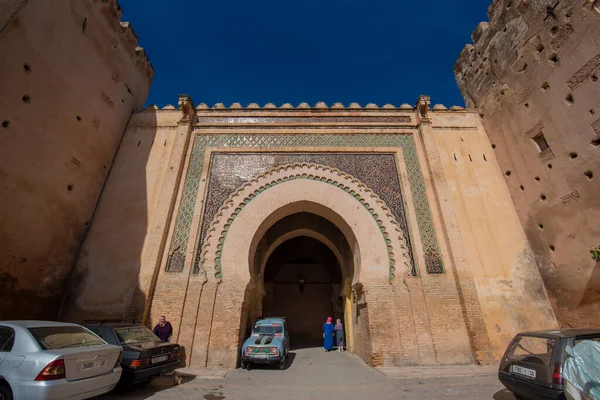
{"points": [[569, 350]]}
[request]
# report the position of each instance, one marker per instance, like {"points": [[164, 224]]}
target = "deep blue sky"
{"points": [[293, 51]]}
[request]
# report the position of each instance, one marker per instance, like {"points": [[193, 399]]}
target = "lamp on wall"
{"points": [[301, 284]]}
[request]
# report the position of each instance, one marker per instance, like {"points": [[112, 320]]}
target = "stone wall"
{"points": [[71, 76], [532, 74]]}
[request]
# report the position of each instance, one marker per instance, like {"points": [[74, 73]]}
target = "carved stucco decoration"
{"points": [[216, 236]]}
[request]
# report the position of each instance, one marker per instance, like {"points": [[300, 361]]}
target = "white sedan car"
{"points": [[54, 360]]}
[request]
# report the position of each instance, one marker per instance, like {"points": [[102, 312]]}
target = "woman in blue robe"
{"points": [[328, 332]]}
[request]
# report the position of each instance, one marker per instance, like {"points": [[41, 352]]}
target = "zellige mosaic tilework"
{"points": [[180, 239]]}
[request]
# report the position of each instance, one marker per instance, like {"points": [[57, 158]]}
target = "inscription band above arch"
{"points": [[351, 186]]}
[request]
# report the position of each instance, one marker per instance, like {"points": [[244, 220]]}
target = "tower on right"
{"points": [[532, 73]]}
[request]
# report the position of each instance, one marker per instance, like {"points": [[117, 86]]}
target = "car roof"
{"points": [[35, 324], [112, 325], [563, 333], [270, 320]]}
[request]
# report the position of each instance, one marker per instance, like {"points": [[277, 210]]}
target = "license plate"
{"points": [[159, 359], [530, 373], [85, 366]]}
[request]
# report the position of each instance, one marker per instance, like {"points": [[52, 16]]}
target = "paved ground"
{"points": [[314, 374]]}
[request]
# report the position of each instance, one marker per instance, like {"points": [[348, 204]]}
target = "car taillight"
{"points": [[139, 363], [273, 350], [249, 350], [174, 355], [119, 359], [557, 378], [53, 371]]}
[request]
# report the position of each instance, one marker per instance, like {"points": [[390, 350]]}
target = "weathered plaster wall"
{"points": [[71, 77], [532, 73], [108, 283], [475, 199]]}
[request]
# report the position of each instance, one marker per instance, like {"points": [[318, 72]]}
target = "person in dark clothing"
{"points": [[163, 329]]}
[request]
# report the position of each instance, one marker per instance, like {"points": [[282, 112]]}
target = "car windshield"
{"points": [[267, 329], [135, 334], [536, 350], [64, 337]]}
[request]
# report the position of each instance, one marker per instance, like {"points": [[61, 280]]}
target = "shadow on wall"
{"points": [[591, 294], [105, 284]]}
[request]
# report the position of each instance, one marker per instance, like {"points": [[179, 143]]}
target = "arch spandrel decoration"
{"points": [[211, 252], [183, 220]]}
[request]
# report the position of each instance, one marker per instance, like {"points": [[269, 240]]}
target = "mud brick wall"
{"points": [[532, 74]]}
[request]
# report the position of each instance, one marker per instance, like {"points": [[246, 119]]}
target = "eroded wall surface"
{"points": [[72, 74], [532, 73]]}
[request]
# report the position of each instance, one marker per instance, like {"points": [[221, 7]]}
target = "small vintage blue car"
{"points": [[269, 343]]}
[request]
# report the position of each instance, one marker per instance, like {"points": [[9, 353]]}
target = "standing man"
{"points": [[163, 329]]}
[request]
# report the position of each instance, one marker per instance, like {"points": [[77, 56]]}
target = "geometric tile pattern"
{"points": [[229, 171], [180, 239]]}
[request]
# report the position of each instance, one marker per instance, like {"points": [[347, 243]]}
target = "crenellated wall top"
{"points": [[112, 11]]}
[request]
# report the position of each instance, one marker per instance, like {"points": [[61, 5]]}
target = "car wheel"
{"points": [[248, 366], [282, 363], [242, 365], [5, 393]]}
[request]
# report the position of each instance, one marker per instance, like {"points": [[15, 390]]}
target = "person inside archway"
{"points": [[339, 335], [328, 332]]}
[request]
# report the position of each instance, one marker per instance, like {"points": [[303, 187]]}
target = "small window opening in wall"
{"points": [[554, 30], [543, 197], [573, 155], [539, 48], [83, 25], [165, 143], [526, 105], [592, 112], [594, 78], [569, 99], [78, 118], [5, 123], [26, 68], [484, 159], [549, 166], [122, 101], [455, 157], [537, 178], [504, 30], [522, 188], [568, 14], [470, 159], [508, 4], [140, 142], [552, 248], [507, 173], [493, 146], [545, 86], [26, 99], [596, 142], [554, 59], [69, 187], [541, 142], [523, 68], [541, 226], [589, 174]]}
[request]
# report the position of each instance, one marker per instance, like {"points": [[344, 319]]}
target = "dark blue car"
{"points": [[269, 343]]}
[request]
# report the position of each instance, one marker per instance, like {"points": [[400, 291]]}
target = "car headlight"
{"points": [[249, 349], [273, 350]]}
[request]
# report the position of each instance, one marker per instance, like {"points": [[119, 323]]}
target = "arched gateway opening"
{"points": [[303, 219], [304, 265]]}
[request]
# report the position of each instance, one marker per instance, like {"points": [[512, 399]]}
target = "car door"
{"points": [[7, 339]]}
